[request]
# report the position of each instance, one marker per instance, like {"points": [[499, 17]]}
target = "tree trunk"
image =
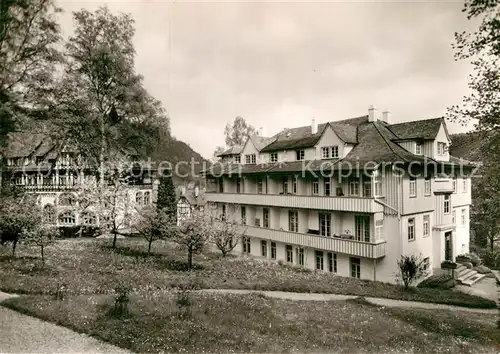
{"points": [[43, 258], [190, 259], [114, 239], [14, 244], [149, 246]]}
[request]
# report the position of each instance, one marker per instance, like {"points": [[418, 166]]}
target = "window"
{"points": [[66, 199], [273, 250], [413, 187], [221, 185], [294, 185], [285, 185], [446, 205], [299, 155], [289, 254], [367, 189], [138, 198], [426, 264], [362, 224], [293, 221], [327, 186], [378, 184], [88, 218], [379, 229], [223, 212], [335, 152], [332, 262], [49, 214], [243, 215], [418, 149], [463, 217], [147, 198], [355, 267], [325, 152], [441, 149], [265, 217], [238, 185], [454, 184], [465, 188], [319, 260], [325, 222], [237, 159], [299, 252], [354, 187], [426, 225], [427, 186], [263, 248], [67, 217], [250, 159], [246, 245], [274, 157], [259, 186], [315, 187], [411, 229]]}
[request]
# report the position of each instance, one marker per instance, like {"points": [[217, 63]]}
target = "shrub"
{"points": [[474, 259], [490, 258], [482, 269], [60, 292], [444, 281], [122, 300], [410, 269], [448, 265], [183, 298], [468, 265]]}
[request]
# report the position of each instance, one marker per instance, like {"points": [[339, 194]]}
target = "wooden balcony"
{"points": [[443, 185], [338, 245], [47, 187], [349, 204]]}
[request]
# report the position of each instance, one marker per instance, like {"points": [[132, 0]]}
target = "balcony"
{"points": [[349, 204], [443, 185], [47, 187], [338, 245]]}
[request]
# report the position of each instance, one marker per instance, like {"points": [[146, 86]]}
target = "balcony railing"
{"points": [[350, 204], [47, 187], [338, 245], [443, 185]]}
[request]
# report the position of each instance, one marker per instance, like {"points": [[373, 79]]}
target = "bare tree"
{"points": [[41, 236]]}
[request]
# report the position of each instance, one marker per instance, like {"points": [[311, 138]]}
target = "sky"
{"points": [[279, 64]]}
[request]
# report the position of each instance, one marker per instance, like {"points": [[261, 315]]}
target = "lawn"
{"points": [[252, 323], [89, 266]]}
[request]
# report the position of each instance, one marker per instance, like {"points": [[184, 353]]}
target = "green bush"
{"points": [[482, 269], [490, 258], [474, 259], [444, 281]]}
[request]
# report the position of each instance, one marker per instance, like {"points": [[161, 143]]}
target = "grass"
{"points": [[88, 266], [252, 323]]}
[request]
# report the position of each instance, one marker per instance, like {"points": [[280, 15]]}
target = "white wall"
{"points": [[441, 137]]}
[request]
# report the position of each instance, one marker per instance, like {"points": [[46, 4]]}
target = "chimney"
{"points": [[386, 116], [372, 114], [261, 131], [314, 126]]}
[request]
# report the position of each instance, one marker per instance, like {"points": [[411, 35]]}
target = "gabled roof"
{"points": [[234, 150], [426, 129], [302, 137], [375, 144], [22, 144], [260, 141]]}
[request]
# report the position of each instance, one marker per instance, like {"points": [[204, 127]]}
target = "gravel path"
{"points": [[25, 334], [336, 297]]}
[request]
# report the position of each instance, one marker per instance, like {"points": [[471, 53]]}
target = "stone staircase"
{"points": [[467, 276]]}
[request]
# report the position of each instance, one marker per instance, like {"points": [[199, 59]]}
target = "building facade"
{"points": [[61, 181], [348, 197]]}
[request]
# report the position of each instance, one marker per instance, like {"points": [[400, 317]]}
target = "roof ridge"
{"points": [[387, 143], [417, 120]]}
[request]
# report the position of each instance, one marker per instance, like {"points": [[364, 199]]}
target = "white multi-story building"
{"points": [[55, 173], [348, 197]]}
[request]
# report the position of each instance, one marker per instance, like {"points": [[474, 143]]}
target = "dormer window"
{"points": [[441, 149], [328, 152], [300, 155], [274, 157], [418, 148], [250, 159]]}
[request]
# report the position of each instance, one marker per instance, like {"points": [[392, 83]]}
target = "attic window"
{"points": [[441, 149], [418, 149], [300, 155], [250, 159], [274, 157]]}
